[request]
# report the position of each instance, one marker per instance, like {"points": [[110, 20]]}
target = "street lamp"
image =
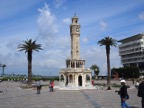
{"points": [[122, 75], [133, 77], [95, 72]]}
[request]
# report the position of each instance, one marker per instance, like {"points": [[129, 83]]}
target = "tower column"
{"points": [[70, 64], [75, 64]]}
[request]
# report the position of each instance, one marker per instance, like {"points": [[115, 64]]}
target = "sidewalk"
{"points": [[14, 97]]}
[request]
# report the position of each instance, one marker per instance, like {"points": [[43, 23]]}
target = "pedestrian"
{"points": [[133, 80], [141, 92], [137, 84], [93, 82], [38, 87], [52, 85], [123, 94]]}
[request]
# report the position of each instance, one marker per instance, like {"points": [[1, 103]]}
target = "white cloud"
{"points": [[46, 21], [59, 3], [48, 31], [56, 47], [67, 20], [102, 25], [14, 59], [141, 16]]}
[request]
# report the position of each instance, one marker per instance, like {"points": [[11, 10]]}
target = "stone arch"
{"points": [[70, 78], [79, 80], [62, 77], [66, 82]]}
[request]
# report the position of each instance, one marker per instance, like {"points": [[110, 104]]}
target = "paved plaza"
{"points": [[15, 97]]}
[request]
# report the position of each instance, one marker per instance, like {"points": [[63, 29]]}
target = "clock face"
{"points": [[77, 29]]}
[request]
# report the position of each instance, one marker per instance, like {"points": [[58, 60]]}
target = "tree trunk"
{"points": [[2, 71], [29, 68], [108, 66]]}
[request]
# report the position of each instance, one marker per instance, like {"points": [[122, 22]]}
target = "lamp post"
{"points": [[0, 66], [133, 77], [123, 75], [95, 72]]}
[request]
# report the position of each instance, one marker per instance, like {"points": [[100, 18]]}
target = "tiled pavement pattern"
{"points": [[14, 97]]}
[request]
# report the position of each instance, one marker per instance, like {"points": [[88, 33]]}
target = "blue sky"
{"points": [[47, 22]]}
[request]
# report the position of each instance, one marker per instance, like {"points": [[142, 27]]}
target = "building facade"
{"points": [[75, 74], [131, 51]]}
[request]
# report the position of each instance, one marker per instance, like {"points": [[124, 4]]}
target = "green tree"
{"points": [[126, 72], [29, 46], [95, 68], [108, 42]]}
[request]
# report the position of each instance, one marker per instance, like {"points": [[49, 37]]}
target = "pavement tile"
{"points": [[14, 97]]}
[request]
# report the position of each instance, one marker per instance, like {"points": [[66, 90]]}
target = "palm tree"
{"points": [[108, 42], [29, 46], [95, 68]]}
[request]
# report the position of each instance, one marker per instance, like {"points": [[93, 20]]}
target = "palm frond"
{"points": [[107, 41], [29, 45]]}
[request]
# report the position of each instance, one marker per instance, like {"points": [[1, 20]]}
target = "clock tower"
{"points": [[75, 74], [75, 36]]}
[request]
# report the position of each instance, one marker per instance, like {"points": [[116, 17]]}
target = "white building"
{"points": [[131, 51], [75, 74]]}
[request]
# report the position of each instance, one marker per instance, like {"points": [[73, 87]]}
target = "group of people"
{"points": [[39, 86], [124, 94]]}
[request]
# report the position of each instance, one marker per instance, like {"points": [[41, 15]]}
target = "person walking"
{"points": [[123, 95], [38, 87], [52, 85], [141, 92], [92, 82], [137, 84]]}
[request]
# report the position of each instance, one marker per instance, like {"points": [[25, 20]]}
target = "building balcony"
{"points": [[132, 61], [130, 43], [133, 57], [130, 52], [131, 48]]}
